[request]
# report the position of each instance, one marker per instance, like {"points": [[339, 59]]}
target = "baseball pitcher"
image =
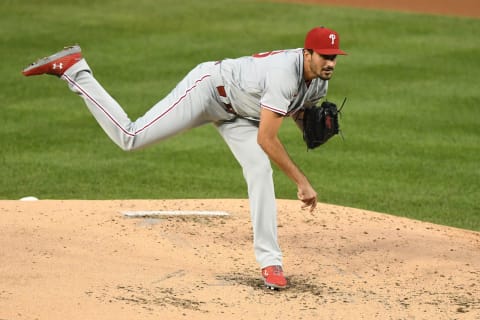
{"points": [[246, 99]]}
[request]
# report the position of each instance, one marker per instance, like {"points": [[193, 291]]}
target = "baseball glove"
{"points": [[320, 124]]}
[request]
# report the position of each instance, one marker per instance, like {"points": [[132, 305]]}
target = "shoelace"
{"points": [[277, 270]]}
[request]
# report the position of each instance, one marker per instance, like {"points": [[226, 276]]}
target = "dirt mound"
{"points": [[468, 8], [86, 260]]}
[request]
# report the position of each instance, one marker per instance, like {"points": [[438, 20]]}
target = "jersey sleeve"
{"points": [[280, 89]]}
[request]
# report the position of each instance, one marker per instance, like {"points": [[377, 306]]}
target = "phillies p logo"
{"points": [[332, 37]]}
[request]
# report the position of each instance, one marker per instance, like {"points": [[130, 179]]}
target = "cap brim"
{"points": [[330, 51]]}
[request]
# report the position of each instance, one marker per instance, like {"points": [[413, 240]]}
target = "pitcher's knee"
{"points": [[258, 170], [127, 148], [128, 143]]}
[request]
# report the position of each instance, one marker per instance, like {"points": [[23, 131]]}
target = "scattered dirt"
{"points": [[85, 260]]}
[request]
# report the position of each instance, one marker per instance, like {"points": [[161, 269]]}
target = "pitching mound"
{"points": [[87, 260]]}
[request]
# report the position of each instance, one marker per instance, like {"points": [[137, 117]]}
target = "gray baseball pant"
{"points": [[192, 103]]}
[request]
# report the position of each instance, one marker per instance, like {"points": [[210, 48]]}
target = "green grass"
{"points": [[411, 123]]}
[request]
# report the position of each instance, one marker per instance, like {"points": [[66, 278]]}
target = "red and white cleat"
{"points": [[56, 64], [273, 277]]}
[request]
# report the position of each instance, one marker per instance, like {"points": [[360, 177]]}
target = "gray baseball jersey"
{"points": [[272, 80]]}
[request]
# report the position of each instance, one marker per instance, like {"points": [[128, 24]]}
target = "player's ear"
{"points": [[307, 52]]}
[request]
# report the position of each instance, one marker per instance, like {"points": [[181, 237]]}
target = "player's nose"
{"points": [[331, 63]]}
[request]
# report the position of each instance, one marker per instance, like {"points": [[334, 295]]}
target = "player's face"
{"points": [[319, 66]]}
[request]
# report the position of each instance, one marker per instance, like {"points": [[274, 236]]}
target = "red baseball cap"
{"points": [[323, 41]]}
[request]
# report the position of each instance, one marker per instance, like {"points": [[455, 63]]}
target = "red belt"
{"points": [[227, 106]]}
